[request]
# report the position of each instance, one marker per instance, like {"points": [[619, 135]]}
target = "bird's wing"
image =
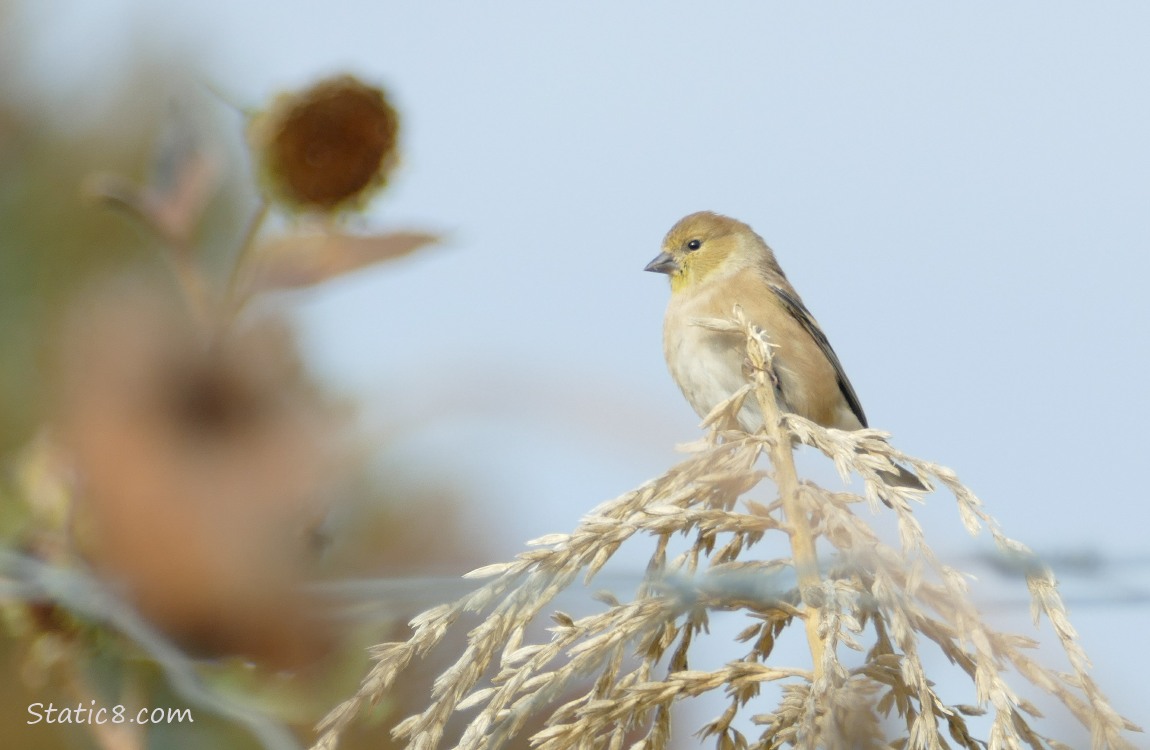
{"points": [[799, 312]]}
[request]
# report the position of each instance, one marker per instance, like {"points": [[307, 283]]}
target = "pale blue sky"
{"points": [[960, 193]]}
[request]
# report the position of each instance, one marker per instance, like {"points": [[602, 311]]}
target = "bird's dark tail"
{"points": [[904, 478]]}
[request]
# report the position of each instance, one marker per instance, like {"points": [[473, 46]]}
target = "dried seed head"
{"points": [[327, 148]]}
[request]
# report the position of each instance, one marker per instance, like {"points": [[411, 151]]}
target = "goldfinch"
{"points": [[715, 262]]}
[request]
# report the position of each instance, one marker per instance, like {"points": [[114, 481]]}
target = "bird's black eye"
{"points": [[694, 244]]}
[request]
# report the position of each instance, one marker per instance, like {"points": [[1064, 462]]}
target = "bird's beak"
{"points": [[663, 263]]}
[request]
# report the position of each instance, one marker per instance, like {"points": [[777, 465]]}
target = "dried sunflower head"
{"points": [[328, 148]]}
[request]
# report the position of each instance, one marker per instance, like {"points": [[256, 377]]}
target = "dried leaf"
{"points": [[306, 259]]}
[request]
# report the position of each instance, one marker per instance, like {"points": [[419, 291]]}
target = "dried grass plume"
{"points": [[612, 679]]}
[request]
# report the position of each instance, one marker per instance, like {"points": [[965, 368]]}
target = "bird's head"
{"points": [[706, 245]]}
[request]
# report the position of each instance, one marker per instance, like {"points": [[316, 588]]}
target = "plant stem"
{"points": [[191, 284], [786, 477], [233, 298]]}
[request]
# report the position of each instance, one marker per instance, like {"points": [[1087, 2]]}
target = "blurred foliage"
{"points": [[52, 239], [162, 435]]}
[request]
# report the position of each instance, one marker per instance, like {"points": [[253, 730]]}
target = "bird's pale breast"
{"points": [[709, 366]]}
